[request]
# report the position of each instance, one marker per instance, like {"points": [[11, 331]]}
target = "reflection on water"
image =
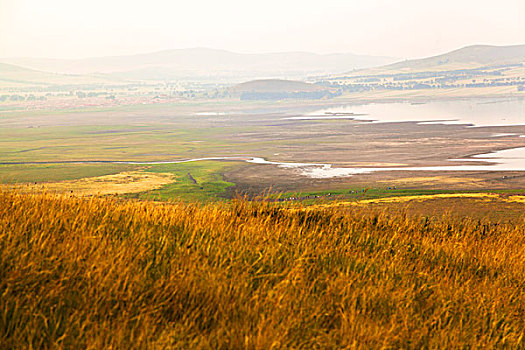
{"points": [[322, 117], [210, 113], [503, 135], [475, 112]]}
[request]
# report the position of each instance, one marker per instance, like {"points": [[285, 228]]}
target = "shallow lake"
{"points": [[476, 112]]}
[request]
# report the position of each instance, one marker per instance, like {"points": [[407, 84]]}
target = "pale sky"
{"points": [[401, 28]]}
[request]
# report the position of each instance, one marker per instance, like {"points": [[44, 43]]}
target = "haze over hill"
{"points": [[206, 64], [205, 73]]}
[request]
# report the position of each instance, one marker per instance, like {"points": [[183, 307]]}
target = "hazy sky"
{"points": [[402, 28]]}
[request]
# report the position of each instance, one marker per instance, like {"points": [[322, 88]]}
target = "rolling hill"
{"points": [[276, 85], [277, 89], [16, 76], [206, 64]]}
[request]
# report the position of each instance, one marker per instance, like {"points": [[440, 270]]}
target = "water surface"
{"points": [[475, 112]]}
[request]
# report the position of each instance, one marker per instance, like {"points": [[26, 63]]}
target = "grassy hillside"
{"points": [[476, 55], [473, 71], [465, 58], [103, 273]]}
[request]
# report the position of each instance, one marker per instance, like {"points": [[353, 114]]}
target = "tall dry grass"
{"points": [[104, 273]]}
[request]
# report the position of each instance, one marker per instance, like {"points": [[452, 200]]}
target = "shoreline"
{"points": [[496, 162]]}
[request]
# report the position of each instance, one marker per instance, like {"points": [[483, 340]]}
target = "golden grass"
{"points": [[418, 198], [105, 273], [433, 180], [121, 183], [425, 197], [516, 199]]}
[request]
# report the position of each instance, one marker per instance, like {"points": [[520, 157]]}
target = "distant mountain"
{"points": [[278, 89], [206, 64], [465, 58], [12, 75]]}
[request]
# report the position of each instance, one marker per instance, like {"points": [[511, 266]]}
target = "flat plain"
{"points": [[43, 146]]}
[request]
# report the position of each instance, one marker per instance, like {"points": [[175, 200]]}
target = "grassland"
{"points": [[489, 205], [115, 184], [104, 142], [194, 181], [107, 273], [480, 206], [357, 194], [386, 195], [24, 173]]}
